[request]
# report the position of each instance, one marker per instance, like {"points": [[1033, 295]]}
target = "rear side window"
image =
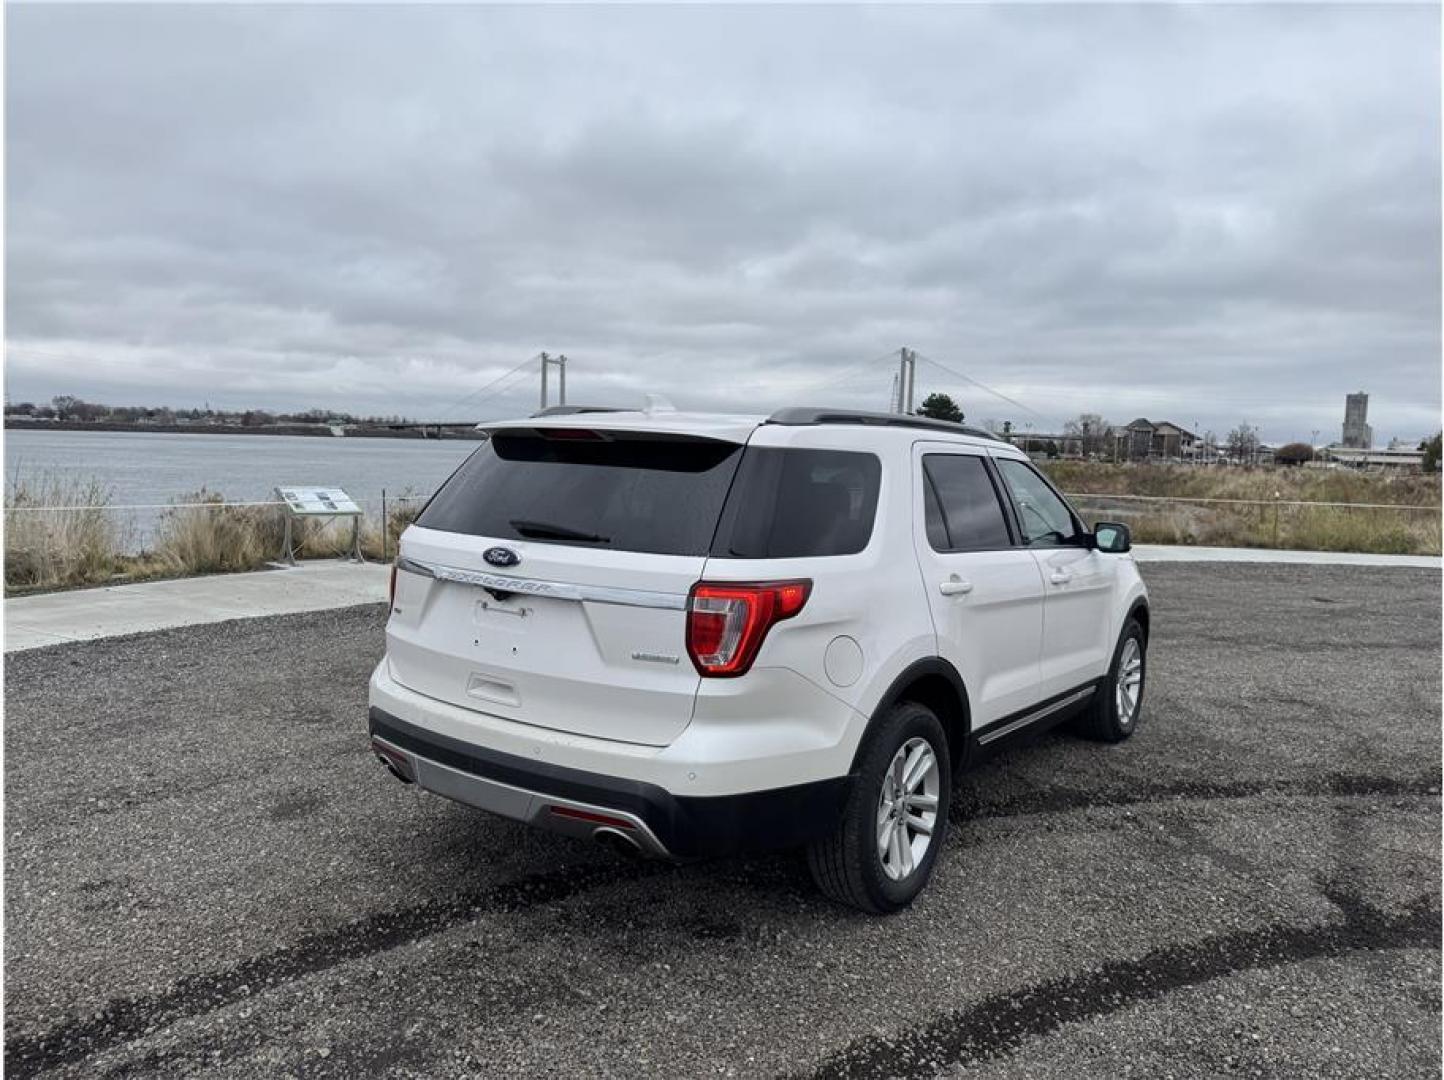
{"points": [[789, 502], [661, 496], [963, 511]]}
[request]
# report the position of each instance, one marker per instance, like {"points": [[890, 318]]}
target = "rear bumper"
{"points": [[773, 729], [571, 800]]}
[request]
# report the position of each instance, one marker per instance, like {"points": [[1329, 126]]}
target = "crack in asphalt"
{"points": [[968, 805], [124, 1019], [998, 1025]]}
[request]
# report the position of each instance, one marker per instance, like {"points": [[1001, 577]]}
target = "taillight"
{"points": [[391, 590], [727, 621]]}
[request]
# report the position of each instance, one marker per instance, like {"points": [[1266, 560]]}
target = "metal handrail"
{"points": [[198, 505], [1072, 495]]}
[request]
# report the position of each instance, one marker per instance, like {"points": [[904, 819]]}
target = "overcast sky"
{"points": [[1202, 214]]}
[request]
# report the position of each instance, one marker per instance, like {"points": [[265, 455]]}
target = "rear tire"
{"points": [[1114, 712], [881, 855]]}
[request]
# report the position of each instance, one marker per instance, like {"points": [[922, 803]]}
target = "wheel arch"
{"points": [[1139, 611], [933, 682]]}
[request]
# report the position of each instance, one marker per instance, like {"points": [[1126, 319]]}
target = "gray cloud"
{"points": [[1211, 214]]}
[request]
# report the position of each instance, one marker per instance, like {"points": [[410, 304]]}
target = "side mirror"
{"points": [[1112, 537]]}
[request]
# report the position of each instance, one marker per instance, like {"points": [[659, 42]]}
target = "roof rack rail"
{"points": [[573, 410], [806, 417]]}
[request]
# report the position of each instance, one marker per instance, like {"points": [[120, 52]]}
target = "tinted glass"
{"points": [[789, 503], [937, 529], [658, 496], [970, 517], [1045, 517]]}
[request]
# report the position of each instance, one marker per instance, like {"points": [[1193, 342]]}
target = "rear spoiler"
{"points": [[576, 410], [629, 424]]}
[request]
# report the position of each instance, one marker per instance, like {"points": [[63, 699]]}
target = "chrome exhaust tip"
{"points": [[395, 763], [617, 842]]}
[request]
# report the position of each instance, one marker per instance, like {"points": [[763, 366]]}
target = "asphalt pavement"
{"points": [[207, 872]]}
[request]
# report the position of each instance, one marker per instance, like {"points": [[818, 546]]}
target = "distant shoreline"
{"points": [[321, 431]]}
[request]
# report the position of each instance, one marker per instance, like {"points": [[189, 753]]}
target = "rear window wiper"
{"points": [[556, 532]]}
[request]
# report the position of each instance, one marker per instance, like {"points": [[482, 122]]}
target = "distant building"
{"points": [[1361, 457], [1144, 439], [1358, 435]]}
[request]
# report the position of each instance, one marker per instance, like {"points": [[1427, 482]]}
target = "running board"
{"points": [[1037, 714]]}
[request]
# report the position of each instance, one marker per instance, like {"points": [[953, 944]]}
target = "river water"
{"points": [[139, 468]]}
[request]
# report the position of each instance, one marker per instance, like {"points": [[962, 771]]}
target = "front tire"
{"points": [[1113, 713], [881, 855]]}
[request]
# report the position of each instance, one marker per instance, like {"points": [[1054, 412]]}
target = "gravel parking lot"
{"points": [[207, 871]]}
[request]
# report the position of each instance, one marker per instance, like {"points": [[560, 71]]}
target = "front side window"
{"points": [[1043, 515], [963, 511]]}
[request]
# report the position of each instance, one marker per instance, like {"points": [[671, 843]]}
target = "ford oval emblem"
{"points": [[500, 556]]}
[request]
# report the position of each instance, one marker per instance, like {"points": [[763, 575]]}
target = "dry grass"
{"points": [[1300, 530], [50, 545], [1217, 482], [397, 517], [213, 536], [222, 537], [1274, 524], [399, 513]]}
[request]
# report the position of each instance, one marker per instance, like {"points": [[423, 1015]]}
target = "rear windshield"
{"points": [[650, 495], [671, 496], [791, 502]]}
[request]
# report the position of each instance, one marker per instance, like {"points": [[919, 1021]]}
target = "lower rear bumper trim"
{"points": [[546, 811], [666, 825]]}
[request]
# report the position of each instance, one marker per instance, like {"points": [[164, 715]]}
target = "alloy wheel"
{"points": [[907, 808], [1129, 684]]}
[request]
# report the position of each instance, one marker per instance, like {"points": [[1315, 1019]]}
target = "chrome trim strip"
{"points": [[493, 796], [1037, 714], [557, 590]]}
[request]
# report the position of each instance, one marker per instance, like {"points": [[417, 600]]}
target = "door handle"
{"points": [[1060, 577], [955, 586]]}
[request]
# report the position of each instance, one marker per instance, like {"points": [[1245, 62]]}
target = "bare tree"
{"points": [[1091, 431], [1243, 444]]}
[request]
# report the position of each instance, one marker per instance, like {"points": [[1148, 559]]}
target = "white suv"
{"points": [[687, 634]]}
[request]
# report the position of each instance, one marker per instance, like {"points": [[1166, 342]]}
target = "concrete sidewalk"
{"points": [[1146, 553], [83, 614]]}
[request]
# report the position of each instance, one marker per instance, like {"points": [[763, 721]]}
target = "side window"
{"points": [[937, 529], [795, 502], [1045, 518], [963, 511]]}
